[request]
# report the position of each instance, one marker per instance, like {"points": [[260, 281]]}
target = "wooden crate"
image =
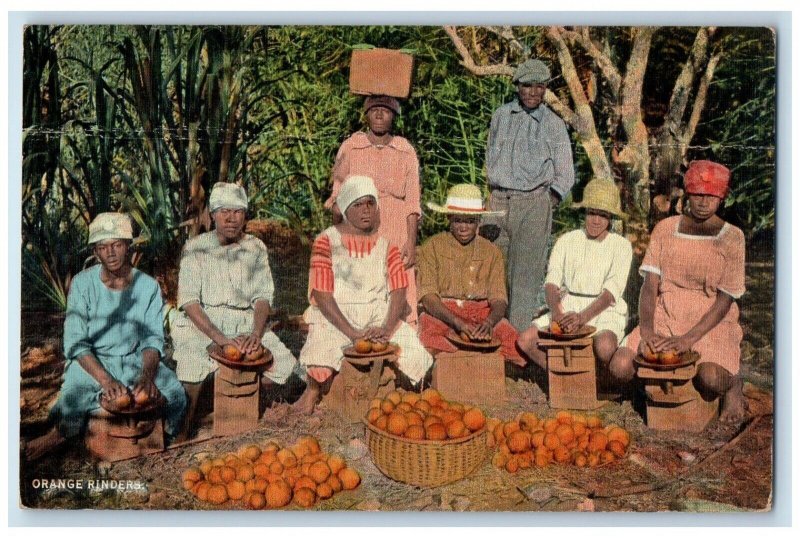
{"points": [[381, 72], [470, 377], [572, 374], [672, 401], [236, 396], [111, 437]]}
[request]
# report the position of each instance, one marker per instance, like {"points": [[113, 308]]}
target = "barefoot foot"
{"points": [[734, 404]]}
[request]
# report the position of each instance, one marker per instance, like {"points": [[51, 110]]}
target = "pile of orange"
{"points": [[567, 438], [425, 416], [272, 477]]}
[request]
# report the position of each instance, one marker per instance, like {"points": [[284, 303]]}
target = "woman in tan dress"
{"points": [[694, 272], [392, 163]]}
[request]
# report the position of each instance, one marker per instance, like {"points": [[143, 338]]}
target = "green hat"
{"points": [[532, 71], [603, 195]]}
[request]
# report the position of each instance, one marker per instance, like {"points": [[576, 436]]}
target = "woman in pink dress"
{"points": [[392, 163], [694, 272]]}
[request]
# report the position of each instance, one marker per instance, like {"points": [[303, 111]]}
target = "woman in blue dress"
{"points": [[113, 340]]}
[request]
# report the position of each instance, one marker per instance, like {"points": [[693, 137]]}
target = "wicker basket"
{"points": [[425, 463]]}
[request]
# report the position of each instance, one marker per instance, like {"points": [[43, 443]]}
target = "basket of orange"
{"points": [[424, 440]]}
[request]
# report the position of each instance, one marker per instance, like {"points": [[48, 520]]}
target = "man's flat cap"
{"points": [[532, 71]]}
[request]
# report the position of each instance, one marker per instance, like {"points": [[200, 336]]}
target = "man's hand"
{"points": [[247, 343], [146, 386], [409, 255], [555, 199], [112, 389]]}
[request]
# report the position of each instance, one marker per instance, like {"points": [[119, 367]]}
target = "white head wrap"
{"points": [[110, 226], [228, 196], [355, 187]]}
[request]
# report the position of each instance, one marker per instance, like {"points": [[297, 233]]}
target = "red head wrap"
{"points": [[706, 177]]}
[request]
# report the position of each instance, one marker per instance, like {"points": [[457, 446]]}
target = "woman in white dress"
{"points": [[586, 277], [357, 290]]}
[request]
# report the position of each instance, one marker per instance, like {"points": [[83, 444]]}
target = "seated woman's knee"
{"points": [[711, 378]]}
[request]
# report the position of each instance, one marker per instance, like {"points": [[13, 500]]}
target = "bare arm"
{"points": [[409, 252], [150, 360], [111, 387], [327, 305], [435, 307], [605, 300], [710, 319], [201, 321], [397, 307], [252, 341]]}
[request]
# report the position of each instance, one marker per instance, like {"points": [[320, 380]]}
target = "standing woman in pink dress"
{"points": [[694, 272], [392, 163]]}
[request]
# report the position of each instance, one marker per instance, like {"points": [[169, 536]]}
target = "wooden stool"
{"points": [[236, 395], [672, 401], [115, 437], [470, 376], [572, 373], [357, 383]]}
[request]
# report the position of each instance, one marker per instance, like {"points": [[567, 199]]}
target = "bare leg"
{"points": [[527, 343], [717, 381], [621, 366], [604, 344], [43, 445], [308, 401], [193, 391]]}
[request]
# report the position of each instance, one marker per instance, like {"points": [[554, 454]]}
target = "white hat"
{"points": [[228, 196], [463, 199], [355, 187], [110, 226]]}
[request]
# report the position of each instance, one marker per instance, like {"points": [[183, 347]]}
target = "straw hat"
{"points": [[110, 226], [463, 199], [603, 195]]}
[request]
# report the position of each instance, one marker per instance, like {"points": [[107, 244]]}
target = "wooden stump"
{"points": [[236, 395], [115, 437], [572, 374], [470, 377], [672, 401], [356, 384]]}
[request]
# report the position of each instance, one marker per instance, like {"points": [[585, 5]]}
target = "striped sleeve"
{"points": [[398, 277], [321, 277]]}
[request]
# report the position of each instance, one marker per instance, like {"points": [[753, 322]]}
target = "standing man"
{"points": [[529, 168]]}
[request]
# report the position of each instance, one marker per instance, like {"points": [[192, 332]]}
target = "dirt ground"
{"points": [[725, 468]]}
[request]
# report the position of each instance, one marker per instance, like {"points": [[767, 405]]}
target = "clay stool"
{"points": [[572, 373], [236, 395], [115, 437], [359, 381], [672, 401], [470, 376]]}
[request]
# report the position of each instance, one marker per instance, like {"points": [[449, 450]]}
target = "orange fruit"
{"points": [[561, 454], [256, 500], [578, 428], [215, 475], [580, 460], [450, 415], [227, 474], [617, 448], [512, 466], [413, 419], [550, 425], [123, 401], [405, 407], [474, 419], [618, 434], [305, 497], [188, 485], [231, 353], [251, 452], [235, 490], [336, 463], [510, 427], [373, 414], [431, 396], [256, 484], [430, 419], [456, 429], [305, 482], [276, 468], [387, 406], [335, 484], [579, 419], [499, 460], [564, 417], [244, 473], [593, 421], [324, 491], [261, 470], [537, 438], [271, 446], [278, 494], [541, 460], [410, 398], [287, 458], [551, 441], [423, 405], [193, 474], [565, 433], [498, 432], [375, 403], [525, 460], [217, 494], [528, 421], [593, 460], [362, 346], [598, 441], [205, 466], [396, 424], [217, 462], [394, 397], [606, 456], [350, 478], [201, 490], [519, 442], [415, 432], [436, 432], [319, 472], [267, 458]]}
